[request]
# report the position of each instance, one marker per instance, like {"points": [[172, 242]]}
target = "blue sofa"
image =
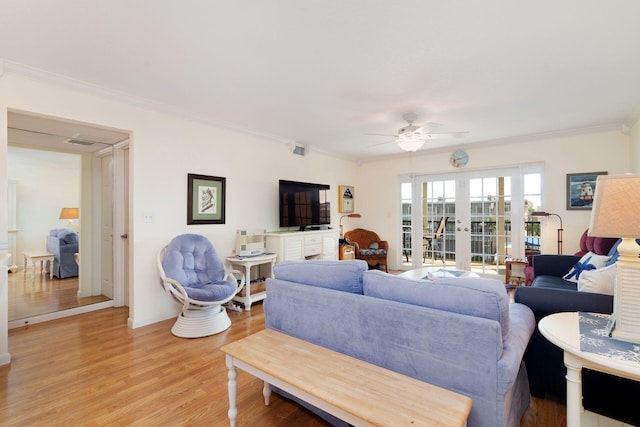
{"points": [[63, 243], [549, 293], [461, 334]]}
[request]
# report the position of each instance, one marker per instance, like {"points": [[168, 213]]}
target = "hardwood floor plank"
{"points": [[92, 370]]}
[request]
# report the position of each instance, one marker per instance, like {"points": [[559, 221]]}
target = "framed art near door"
{"points": [[205, 199], [345, 199]]}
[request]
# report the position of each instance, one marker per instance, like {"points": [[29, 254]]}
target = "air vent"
{"points": [[299, 149]]}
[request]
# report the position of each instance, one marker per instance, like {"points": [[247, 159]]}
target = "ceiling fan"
{"points": [[412, 137]]}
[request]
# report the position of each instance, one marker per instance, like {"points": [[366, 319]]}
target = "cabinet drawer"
{"points": [[310, 250], [313, 239]]}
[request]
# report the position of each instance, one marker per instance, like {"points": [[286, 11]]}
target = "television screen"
{"points": [[303, 204]]}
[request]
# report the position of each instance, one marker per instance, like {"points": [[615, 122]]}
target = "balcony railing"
{"points": [[484, 240]]}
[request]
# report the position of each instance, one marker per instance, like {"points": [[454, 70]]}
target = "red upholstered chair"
{"points": [[597, 245]]}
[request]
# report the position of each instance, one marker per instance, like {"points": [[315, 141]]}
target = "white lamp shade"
{"points": [[616, 206]]}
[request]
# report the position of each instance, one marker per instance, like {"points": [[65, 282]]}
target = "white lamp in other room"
{"points": [[616, 213]]}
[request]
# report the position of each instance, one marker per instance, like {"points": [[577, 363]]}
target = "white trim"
{"points": [[59, 314]]}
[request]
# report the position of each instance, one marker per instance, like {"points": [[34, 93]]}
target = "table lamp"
{"points": [[616, 204], [353, 215], [70, 214]]}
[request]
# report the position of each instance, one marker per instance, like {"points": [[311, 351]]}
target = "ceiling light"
{"points": [[410, 141]]}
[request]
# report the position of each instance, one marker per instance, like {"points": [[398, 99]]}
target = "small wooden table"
{"points": [[31, 257], [247, 263], [563, 330], [515, 272], [357, 392]]}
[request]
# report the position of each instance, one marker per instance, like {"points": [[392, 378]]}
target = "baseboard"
{"points": [[59, 314]]}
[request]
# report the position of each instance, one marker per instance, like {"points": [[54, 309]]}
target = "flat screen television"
{"points": [[304, 205]]}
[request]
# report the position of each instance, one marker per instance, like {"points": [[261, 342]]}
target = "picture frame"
{"points": [[580, 190], [346, 199], [206, 197]]}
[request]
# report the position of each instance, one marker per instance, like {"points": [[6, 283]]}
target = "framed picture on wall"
{"points": [[346, 199], [205, 199], [580, 190]]}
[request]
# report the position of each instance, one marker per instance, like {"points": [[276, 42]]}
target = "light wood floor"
{"points": [[32, 296], [91, 370]]}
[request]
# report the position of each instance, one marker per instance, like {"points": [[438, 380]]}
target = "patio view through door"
{"points": [[464, 220]]}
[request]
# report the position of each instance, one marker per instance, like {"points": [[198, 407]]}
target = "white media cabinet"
{"points": [[300, 245]]}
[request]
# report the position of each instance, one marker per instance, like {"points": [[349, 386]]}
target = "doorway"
{"points": [[94, 286], [464, 220]]}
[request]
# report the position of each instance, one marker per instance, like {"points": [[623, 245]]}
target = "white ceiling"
{"points": [[327, 73]]}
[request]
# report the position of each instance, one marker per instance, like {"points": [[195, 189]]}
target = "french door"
{"points": [[463, 220]]}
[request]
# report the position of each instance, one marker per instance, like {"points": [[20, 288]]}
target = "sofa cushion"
{"points": [[599, 281], [589, 261], [339, 275], [477, 297]]}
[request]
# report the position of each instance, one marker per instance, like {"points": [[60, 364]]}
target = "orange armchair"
{"points": [[369, 247]]}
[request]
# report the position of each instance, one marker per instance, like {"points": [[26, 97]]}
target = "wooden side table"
{"points": [[347, 252], [31, 257], [563, 330], [514, 275], [247, 263]]}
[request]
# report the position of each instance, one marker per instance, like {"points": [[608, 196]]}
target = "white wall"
{"points": [[47, 182], [378, 198], [164, 148]]}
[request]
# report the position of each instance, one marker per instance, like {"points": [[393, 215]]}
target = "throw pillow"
{"points": [[374, 245], [589, 261], [600, 281]]}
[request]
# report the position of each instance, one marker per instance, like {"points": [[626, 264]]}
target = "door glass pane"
{"points": [[490, 199], [532, 203], [405, 195], [438, 222]]}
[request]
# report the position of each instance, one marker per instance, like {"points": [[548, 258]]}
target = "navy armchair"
{"points": [[63, 243]]}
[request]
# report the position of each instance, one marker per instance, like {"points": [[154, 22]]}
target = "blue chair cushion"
{"points": [[191, 260], [372, 251]]}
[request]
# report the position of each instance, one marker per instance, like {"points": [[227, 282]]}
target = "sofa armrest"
{"points": [[553, 265], [383, 244], [545, 301]]}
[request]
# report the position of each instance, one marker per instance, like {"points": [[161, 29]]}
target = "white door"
{"points": [[121, 224], [464, 220], [106, 265]]}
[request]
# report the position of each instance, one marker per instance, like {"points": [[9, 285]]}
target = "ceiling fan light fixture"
{"points": [[410, 142]]}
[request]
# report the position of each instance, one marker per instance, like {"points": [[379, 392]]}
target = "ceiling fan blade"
{"points": [[380, 134], [380, 143], [455, 135], [432, 126]]}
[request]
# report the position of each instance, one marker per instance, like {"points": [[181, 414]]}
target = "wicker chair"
{"points": [[192, 273], [369, 247]]}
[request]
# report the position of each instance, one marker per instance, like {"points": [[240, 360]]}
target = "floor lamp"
{"points": [[560, 230], [616, 204], [353, 215]]}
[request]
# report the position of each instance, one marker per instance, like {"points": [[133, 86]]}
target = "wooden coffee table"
{"points": [[357, 392]]}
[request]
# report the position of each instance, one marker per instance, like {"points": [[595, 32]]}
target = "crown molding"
{"points": [[38, 74]]}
